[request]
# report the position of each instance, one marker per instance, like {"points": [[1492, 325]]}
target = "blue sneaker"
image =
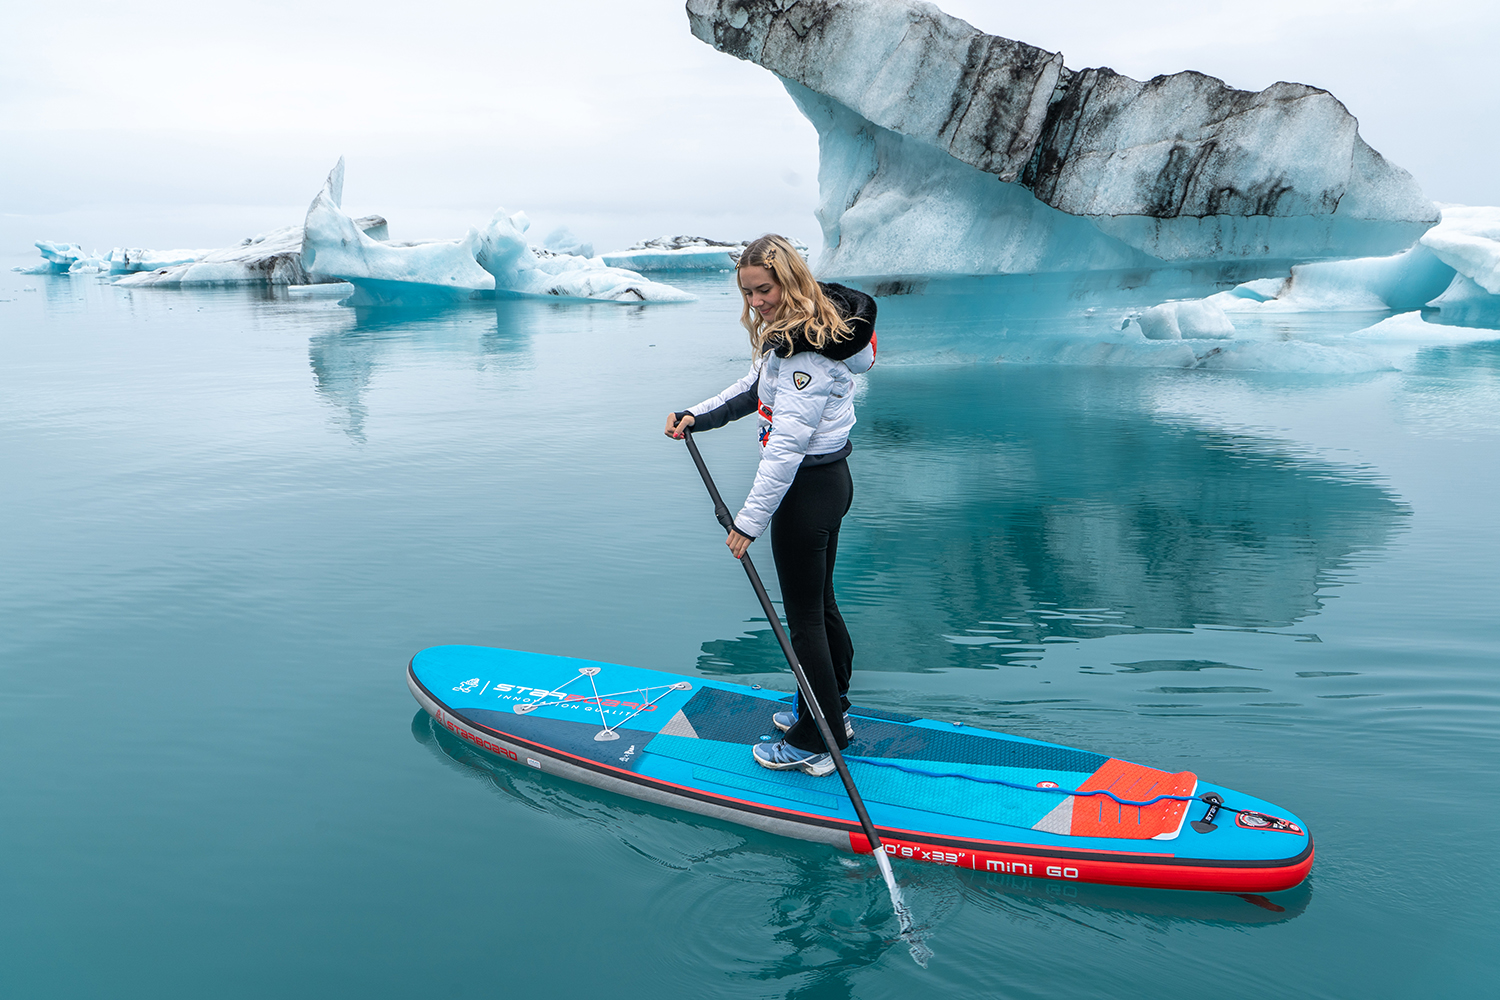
{"points": [[785, 720], [781, 756]]}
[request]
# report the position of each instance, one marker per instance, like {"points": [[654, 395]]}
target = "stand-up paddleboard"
{"points": [[936, 791]]}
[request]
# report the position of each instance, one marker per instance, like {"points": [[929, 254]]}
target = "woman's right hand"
{"points": [[676, 427]]}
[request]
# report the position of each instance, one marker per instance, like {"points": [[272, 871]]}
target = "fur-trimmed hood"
{"points": [[857, 308]]}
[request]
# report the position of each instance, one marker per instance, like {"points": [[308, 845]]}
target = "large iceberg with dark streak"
{"points": [[947, 151]]}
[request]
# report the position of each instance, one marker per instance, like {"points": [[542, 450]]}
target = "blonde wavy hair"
{"points": [[804, 308]]}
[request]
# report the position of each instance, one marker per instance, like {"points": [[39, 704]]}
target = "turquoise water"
{"points": [[231, 517]]}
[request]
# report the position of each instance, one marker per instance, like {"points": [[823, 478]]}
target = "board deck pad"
{"points": [[688, 740]]}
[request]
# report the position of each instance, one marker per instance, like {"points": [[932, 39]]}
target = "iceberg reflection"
{"points": [[1001, 507], [344, 361]]}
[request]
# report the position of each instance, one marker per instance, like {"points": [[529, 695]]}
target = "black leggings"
{"points": [[804, 543]]}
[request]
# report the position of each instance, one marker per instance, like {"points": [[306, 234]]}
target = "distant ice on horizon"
{"points": [[494, 261]]}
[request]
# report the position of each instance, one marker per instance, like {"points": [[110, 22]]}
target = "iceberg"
{"points": [[1425, 299], [1466, 303], [1327, 317], [1468, 240], [676, 253], [128, 260], [494, 262], [273, 258], [1399, 282], [334, 248], [1462, 291], [946, 151], [684, 253], [63, 258], [1193, 320], [1398, 339], [519, 269], [562, 240], [1454, 268]]}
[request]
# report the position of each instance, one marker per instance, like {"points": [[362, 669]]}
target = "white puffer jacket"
{"points": [[804, 399]]}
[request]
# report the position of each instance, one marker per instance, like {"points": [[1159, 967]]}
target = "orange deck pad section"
{"points": [[1102, 816]]}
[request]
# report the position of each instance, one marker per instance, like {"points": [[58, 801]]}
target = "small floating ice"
{"points": [[1192, 320], [327, 289]]}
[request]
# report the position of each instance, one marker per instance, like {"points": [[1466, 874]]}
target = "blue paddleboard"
{"points": [[936, 791]]}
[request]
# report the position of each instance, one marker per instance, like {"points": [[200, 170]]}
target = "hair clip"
{"points": [[770, 256]]}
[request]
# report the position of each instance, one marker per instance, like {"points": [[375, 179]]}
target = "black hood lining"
{"points": [[857, 308]]}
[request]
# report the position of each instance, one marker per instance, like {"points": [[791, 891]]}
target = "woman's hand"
{"points": [[738, 543], [676, 427]]}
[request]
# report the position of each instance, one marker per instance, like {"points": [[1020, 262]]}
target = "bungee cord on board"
{"points": [[608, 732], [873, 762]]}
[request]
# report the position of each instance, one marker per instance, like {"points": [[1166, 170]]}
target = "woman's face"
{"points": [[760, 290]]}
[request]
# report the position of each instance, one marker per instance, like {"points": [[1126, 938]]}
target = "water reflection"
{"points": [[514, 321], [1478, 361], [998, 508], [806, 918], [1454, 390], [344, 360], [342, 364]]}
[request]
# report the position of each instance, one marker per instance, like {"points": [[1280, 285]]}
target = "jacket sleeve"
{"points": [[737, 401], [803, 386]]}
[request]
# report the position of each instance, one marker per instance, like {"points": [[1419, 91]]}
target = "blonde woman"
{"points": [[806, 339]]}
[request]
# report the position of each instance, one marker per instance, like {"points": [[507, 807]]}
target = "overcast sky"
{"points": [[193, 124]]}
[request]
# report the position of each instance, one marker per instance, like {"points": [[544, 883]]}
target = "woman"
{"points": [[806, 339]]}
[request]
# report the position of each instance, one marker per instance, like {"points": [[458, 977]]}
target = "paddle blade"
{"points": [[920, 953]]}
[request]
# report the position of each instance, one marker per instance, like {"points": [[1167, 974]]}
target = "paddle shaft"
{"points": [[721, 511]]}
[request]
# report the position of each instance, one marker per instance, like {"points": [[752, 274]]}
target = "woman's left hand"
{"points": [[737, 543]]}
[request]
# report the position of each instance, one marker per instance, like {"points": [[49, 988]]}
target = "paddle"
{"points": [[919, 951]]}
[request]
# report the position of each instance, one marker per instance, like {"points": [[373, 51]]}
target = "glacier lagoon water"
{"points": [[231, 516]]}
